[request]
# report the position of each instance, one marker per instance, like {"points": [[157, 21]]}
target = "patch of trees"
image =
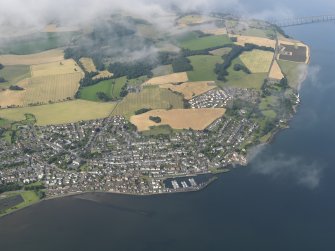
{"points": [[34, 187], [268, 126], [281, 31], [201, 33], [239, 104], [221, 69], [240, 67], [284, 83], [166, 57], [142, 110], [186, 104], [103, 96], [16, 88], [265, 89], [155, 119], [2, 80], [181, 64], [10, 187], [131, 70], [233, 39], [1, 66], [124, 91]]}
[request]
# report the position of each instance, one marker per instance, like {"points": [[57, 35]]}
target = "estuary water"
{"points": [[283, 200]]}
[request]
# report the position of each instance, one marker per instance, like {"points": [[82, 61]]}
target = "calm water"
{"points": [[284, 200]]}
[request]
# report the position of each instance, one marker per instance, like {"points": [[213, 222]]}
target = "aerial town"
{"points": [[110, 155]]}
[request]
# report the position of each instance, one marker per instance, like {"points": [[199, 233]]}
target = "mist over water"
{"points": [[282, 201]]}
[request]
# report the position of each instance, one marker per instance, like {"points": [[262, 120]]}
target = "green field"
{"points": [[203, 68], [240, 79], [292, 71], [162, 70], [268, 102], [13, 74], [150, 97], [4, 123], [266, 33], [61, 113], [29, 197], [221, 52], [187, 36], [205, 42], [106, 86], [269, 114], [158, 130], [37, 42]]}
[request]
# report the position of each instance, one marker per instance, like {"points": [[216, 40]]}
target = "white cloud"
{"points": [[282, 166]]}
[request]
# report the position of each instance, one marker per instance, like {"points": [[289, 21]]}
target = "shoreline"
{"points": [[190, 190]]}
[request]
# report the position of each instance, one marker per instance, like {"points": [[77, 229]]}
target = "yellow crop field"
{"points": [[196, 119], [174, 78], [50, 82], [103, 74], [191, 89], [61, 113], [275, 72], [242, 40], [53, 28], [53, 88], [216, 32], [42, 90], [32, 59], [55, 68], [257, 61], [193, 20], [88, 64], [10, 98]]}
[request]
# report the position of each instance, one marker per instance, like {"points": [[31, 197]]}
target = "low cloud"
{"points": [[283, 166]]}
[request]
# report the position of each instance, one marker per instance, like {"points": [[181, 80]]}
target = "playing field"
{"points": [[275, 72], [196, 119], [191, 89], [149, 97], [88, 64], [203, 68], [32, 59], [205, 42], [257, 61], [60, 113], [168, 79]]}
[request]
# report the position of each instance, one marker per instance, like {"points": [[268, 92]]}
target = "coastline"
{"points": [[190, 190]]}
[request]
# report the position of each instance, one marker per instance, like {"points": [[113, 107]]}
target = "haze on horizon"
{"points": [[25, 14]]}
